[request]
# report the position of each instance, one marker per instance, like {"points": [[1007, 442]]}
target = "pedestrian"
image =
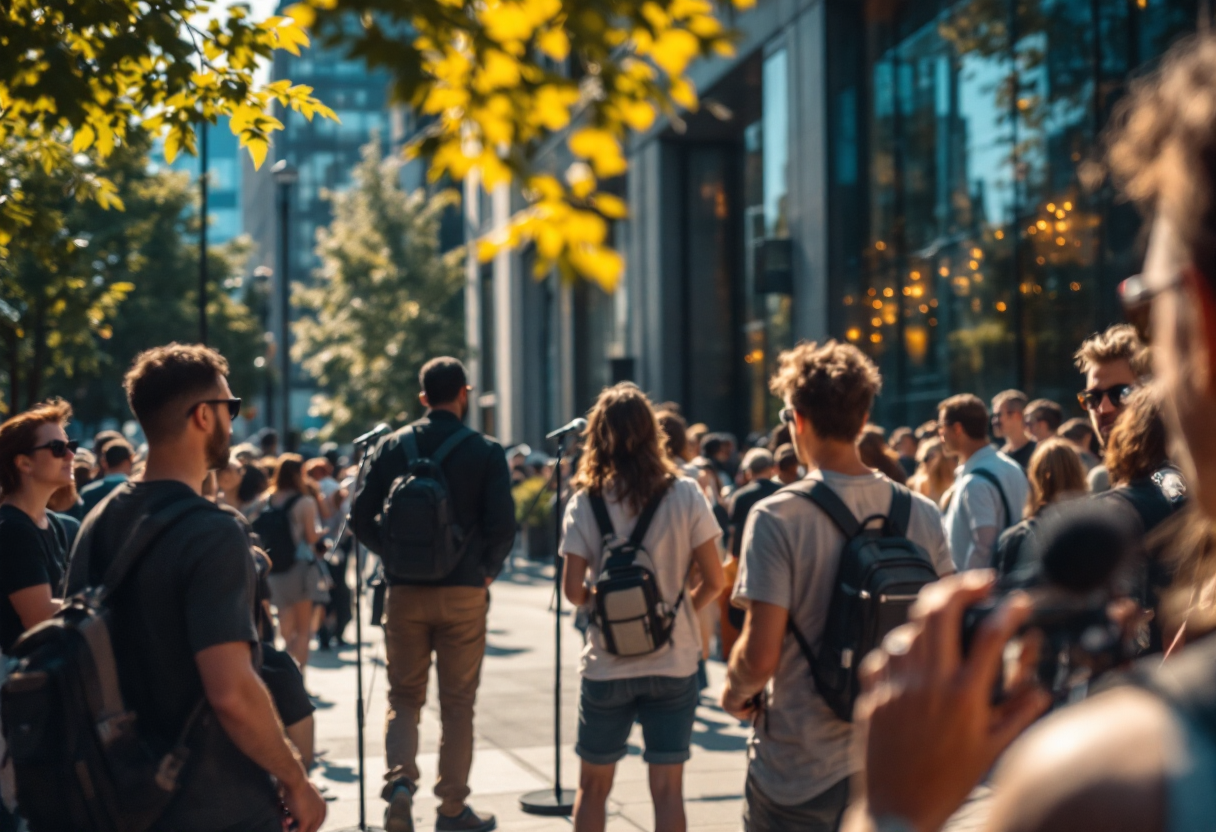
{"points": [[760, 467], [116, 459], [799, 758], [268, 444], [1009, 415], [1055, 474], [990, 487], [1043, 419], [1080, 434], [624, 473], [675, 442], [1114, 362], [905, 443], [874, 452], [182, 624], [1137, 460], [934, 475], [447, 616], [789, 469]]}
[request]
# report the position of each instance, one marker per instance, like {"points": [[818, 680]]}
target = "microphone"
{"points": [[372, 435], [575, 426], [1083, 544]]}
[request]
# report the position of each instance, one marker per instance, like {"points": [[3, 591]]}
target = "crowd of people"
{"points": [[874, 595]]}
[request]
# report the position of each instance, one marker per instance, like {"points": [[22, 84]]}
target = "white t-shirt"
{"points": [[977, 504], [791, 551], [683, 522]]}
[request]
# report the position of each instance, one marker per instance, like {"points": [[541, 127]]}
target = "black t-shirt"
{"points": [[1023, 454], [192, 590], [29, 556], [742, 503]]}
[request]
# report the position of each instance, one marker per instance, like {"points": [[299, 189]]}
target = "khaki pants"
{"points": [[449, 621]]}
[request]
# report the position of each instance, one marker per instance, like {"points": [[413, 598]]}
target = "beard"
{"points": [[218, 447]]}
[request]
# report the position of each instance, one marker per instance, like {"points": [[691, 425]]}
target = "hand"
{"points": [[927, 722], [306, 805], [743, 708]]}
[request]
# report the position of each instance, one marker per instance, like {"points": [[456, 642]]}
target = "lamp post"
{"points": [[284, 177], [263, 277], [202, 235]]}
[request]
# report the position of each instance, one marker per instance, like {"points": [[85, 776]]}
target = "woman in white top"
{"points": [[292, 591], [624, 464]]}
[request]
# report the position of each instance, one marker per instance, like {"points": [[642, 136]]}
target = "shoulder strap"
{"points": [[985, 474], [600, 509], [821, 494], [449, 444], [900, 515], [409, 446], [647, 517], [141, 540]]}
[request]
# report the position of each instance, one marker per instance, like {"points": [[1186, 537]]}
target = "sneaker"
{"points": [[399, 816], [466, 821]]}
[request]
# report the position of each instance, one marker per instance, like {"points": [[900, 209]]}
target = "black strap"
{"points": [[985, 474], [141, 540], [600, 509], [647, 517], [822, 495], [899, 517], [409, 445]]}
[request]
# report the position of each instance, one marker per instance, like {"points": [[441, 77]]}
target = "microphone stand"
{"points": [[557, 802], [362, 827]]}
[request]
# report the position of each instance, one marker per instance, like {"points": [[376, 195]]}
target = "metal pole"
{"points": [[285, 314], [202, 236], [557, 676]]}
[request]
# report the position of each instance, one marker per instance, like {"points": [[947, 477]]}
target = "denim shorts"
{"points": [[664, 705]]}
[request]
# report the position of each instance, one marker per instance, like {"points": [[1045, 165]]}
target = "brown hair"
{"points": [[1117, 342], [832, 385], [1045, 410], [675, 433], [288, 474], [20, 433], [1163, 148], [1055, 469], [968, 411], [162, 379], [1078, 430], [622, 451], [1137, 444], [875, 453], [1016, 397]]}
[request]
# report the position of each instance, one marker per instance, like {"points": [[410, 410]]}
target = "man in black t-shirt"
{"points": [[759, 465], [183, 625]]}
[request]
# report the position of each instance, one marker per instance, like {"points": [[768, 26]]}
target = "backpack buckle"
{"points": [[168, 771], [112, 728]]}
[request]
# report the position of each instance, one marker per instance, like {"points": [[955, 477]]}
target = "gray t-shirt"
{"points": [[682, 522], [791, 550]]}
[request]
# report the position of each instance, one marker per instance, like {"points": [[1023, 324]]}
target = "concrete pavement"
{"points": [[514, 727]]}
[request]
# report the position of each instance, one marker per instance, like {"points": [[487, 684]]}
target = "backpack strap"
{"points": [[647, 517], [409, 446], [600, 509], [987, 475], [141, 540], [900, 514], [449, 444], [822, 495]]}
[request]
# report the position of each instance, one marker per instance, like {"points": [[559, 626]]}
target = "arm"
{"points": [[498, 520], [306, 519], [755, 657], [712, 579], [245, 710], [34, 604], [984, 509], [574, 580], [983, 542]]}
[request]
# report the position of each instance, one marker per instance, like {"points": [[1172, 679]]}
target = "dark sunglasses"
{"points": [[1137, 301], [1118, 393], [58, 448], [234, 406], [786, 415]]}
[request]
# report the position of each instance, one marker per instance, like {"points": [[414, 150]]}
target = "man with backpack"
{"points": [[176, 578], [990, 488], [436, 506], [792, 672]]}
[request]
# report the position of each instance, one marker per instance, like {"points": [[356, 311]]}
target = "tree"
{"points": [[500, 78], [384, 301], [77, 78], [94, 287]]}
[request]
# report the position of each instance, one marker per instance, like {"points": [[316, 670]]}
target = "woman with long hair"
{"points": [[293, 590], [934, 470], [876, 453], [625, 470], [1055, 473]]}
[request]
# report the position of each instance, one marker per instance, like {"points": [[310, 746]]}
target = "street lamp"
{"points": [[202, 235], [284, 177], [263, 277]]}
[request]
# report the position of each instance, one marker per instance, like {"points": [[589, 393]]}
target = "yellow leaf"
{"points": [[555, 44], [684, 94], [549, 242], [303, 14], [507, 22], [486, 250], [603, 265], [257, 151], [173, 143], [610, 206], [582, 180], [551, 107], [674, 49], [83, 139], [500, 71], [639, 115]]}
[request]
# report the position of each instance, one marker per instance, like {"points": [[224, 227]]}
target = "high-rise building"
{"points": [[223, 179]]}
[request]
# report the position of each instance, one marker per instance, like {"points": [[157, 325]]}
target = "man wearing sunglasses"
{"points": [[182, 622], [1114, 363]]}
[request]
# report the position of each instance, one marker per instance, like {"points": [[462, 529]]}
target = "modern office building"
{"points": [[223, 179], [921, 178]]}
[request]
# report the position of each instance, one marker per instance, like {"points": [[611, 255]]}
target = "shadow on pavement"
{"points": [[492, 650], [338, 774], [711, 738]]}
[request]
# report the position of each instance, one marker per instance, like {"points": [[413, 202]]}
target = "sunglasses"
{"points": [[234, 406], [1137, 301], [1118, 393], [58, 448], [786, 415]]}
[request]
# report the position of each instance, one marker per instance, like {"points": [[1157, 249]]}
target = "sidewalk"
{"points": [[514, 728]]}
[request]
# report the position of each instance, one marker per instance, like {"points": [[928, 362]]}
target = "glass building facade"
{"points": [[973, 241]]}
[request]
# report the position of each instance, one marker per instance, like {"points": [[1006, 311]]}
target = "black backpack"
{"points": [[420, 539], [79, 759], [627, 606], [880, 573], [273, 528]]}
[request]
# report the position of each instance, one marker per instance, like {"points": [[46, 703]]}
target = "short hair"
{"points": [[102, 439], [1045, 410], [442, 379], [1016, 397], [711, 443], [966, 410], [927, 430], [162, 379], [269, 438], [833, 385], [253, 482], [786, 456], [675, 432], [1117, 342], [757, 461], [1077, 430], [19, 434], [900, 434], [116, 452]]}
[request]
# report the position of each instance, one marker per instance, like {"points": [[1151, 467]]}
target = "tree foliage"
{"points": [[498, 78], [85, 289], [384, 301], [76, 78]]}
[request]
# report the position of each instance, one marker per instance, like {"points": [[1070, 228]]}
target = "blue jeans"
{"points": [[607, 710]]}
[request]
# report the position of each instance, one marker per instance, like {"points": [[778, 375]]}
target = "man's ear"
{"points": [[1198, 286], [425, 401]]}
